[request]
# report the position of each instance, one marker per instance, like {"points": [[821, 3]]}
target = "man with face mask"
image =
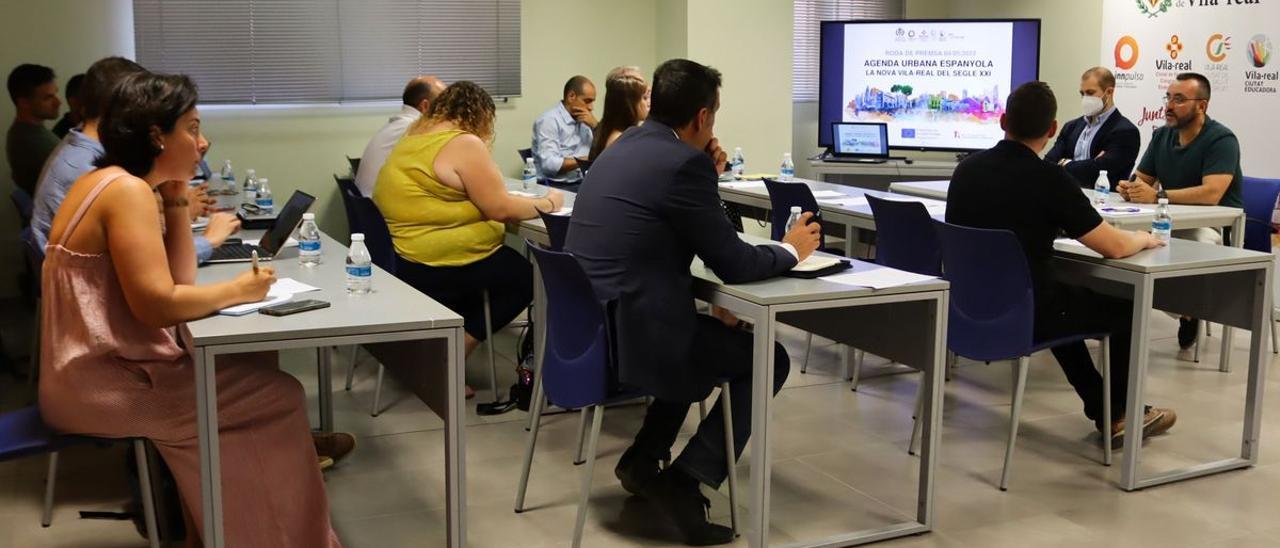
{"points": [[1194, 160], [1102, 139], [1008, 187]]}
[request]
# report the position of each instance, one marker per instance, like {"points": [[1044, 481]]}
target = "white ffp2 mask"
{"points": [[1090, 104]]}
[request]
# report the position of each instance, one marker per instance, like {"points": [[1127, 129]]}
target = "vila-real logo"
{"points": [[1153, 8], [1259, 50], [1216, 48]]}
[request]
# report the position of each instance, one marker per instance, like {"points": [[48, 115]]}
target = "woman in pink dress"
{"points": [[117, 291]]}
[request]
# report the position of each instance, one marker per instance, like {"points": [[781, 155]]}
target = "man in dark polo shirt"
{"points": [[1009, 187], [1195, 160], [28, 143]]}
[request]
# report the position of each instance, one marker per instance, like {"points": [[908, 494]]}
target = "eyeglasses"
{"points": [[1179, 100]]}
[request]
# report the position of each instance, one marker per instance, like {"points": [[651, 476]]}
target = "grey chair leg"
{"points": [[731, 459], [915, 419], [855, 370], [51, 478], [808, 349], [951, 364], [535, 415], [702, 410], [582, 437], [1106, 401], [351, 371], [144, 487], [1020, 386], [584, 493], [489, 343], [376, 408], [1195, 354]]}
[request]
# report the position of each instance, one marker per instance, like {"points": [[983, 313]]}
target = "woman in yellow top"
{"points": [[445, 204]]}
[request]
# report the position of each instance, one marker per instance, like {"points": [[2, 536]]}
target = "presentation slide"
{"points": [[938, 85], [859, 139]]}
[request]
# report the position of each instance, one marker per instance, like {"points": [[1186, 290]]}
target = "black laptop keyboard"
{"points": [[242, 251]]}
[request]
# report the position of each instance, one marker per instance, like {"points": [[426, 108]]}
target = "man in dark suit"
{"points": [[649, 204], [1102, 139]]}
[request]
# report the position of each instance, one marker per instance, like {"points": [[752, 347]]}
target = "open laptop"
{"points": [[273, 241], [866, 142]]}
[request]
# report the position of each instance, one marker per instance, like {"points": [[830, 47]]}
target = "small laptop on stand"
{"points": [[859, 143], [272, 242]]}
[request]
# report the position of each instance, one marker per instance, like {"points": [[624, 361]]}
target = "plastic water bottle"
{"points": [[739, 163], [225, 192], [530, 175], [309, 241], [359, 266], [250, 186], [263, 199], [792, 219], [1162, 224], [227, 174], [788, 170], [1101, 188]]}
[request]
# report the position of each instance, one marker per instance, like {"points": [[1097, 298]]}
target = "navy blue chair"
{"points": [[23, 434], [34, 256], [991, 316], [349, 193], [22, 201], [525, 154], [364, 217], [575, 370], [557, 229], [1259, 203], [782, 197], [905, 238], [354, 165], [585, 166]]}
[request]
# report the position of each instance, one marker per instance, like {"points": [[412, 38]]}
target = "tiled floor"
{"points": [[841, 464]]}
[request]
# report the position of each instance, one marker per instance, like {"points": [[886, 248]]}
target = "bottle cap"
{"points": [[786, 154], [1163, 201], [357, 237], [309, 217], [262, 180], [1102, 172], [250, 171], [795, 209]]}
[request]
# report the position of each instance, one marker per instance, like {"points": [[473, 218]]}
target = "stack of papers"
{"points": [[820, 194], [878, 278], [522, 194], [743, 185], [845, 201], [281, 291]]}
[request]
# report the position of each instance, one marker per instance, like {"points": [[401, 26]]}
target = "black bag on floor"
{"points": [[522, 390]]}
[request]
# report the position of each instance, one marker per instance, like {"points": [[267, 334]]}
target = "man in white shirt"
{"points": [[562, 135], [417, 97]]}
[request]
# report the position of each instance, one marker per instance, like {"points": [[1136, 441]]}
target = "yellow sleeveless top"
{"points": [[431, 223]]}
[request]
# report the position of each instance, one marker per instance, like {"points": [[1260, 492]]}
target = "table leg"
{"points": [[1142, 297], [931, 414], [1258, 361], [210, 461], [455, 454], [324, 362], [1237, 240], [757, 528]]}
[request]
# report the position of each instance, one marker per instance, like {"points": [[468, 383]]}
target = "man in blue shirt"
{"points": [[76, 155], [562, 135], [1102, 139]]}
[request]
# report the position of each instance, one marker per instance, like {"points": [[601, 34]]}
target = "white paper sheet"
{"points": [[846, 202], [291, 242], [878, 278], [820, 194], [563, 212], [281, 291]]}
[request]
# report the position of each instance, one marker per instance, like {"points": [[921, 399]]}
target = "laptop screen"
{"points": [[866, 139], [288, 219]]}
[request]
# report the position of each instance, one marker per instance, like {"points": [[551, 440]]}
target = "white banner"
{"points": [[1232, 42]]}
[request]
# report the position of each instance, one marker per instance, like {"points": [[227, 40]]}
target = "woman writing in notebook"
{"points": [[114, 353]]}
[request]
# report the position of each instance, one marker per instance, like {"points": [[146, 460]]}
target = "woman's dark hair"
{"points": [[466, 104], [142, 101], [99, 80], [621, 94], [681, 88]]}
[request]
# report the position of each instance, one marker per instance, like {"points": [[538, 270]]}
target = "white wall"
{"points": [[301, 147]]}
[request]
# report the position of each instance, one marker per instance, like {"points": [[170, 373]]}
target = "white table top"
{"points": [[392, 306], [1178, 255]]}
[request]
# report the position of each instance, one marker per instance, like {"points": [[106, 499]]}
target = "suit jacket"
{"points": [[1117, 137], [648, 205]]}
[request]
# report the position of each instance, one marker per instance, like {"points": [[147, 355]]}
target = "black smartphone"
{"points": [[293, 307]]}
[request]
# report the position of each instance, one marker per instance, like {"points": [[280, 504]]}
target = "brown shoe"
{"points": [[334, 446], [1156, 421]]}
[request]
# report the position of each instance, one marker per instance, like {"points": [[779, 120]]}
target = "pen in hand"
{"points": [[254, 256]]}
